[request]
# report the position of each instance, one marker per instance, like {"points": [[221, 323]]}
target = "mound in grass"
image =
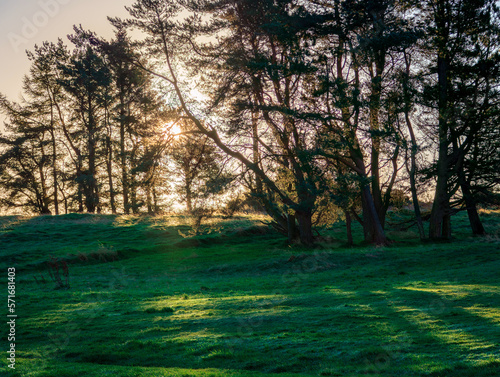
{"points": [[165, 309]]}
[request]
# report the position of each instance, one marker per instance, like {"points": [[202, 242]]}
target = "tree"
{"points": [[40, 87], [85, 77], [132, 90], [464, 43], [407, 99], [199, 168], [24, 161], [336, 103], [44, 90], [280, 71]]}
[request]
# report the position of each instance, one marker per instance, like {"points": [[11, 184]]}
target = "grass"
{"points": [[145, 300]]}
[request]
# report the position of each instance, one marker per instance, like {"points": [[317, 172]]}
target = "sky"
{"points": [[24, 23]]}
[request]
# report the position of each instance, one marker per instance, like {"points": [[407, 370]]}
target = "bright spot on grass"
{"points": [[444, 330], [490, 314]]}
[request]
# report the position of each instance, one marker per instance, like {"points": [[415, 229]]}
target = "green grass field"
{"points": [[147, 300]]}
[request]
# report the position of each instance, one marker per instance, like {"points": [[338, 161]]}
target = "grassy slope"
{"points": [[145, 301]]}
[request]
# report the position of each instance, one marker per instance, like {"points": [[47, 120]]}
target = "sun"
{"points": [[172, 130], [175, 129]]}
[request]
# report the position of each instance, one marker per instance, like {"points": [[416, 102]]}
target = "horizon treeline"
{"points": [[302, 108]]}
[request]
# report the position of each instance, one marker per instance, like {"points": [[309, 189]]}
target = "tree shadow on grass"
{"points": [[430, 332], [485, 369], [453, 315]]}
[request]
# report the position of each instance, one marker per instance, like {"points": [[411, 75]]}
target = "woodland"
{"points": [[307, 110]]}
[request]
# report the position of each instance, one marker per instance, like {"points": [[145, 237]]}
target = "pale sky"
{"points": [[24, 23]]}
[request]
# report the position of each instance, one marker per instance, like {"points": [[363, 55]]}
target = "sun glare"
{"points": [[172, 130], [175, 129]]}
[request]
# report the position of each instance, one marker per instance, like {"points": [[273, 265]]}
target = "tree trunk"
{"points": [[123, 159], [45, 199], [414, 198], [412, 171], [133, 197], [292, 228], [54, 162], [109, 160], [348, 224], [149, 200], [189, 199], [80, 183], [375, 168], [475, 222], [440, 224], [376, 69], [304, 219], [256, 154], [155, 201], [80, 196], [65, 205], [374, 233], [65, 200], [109, 168], [92, 195], [372, 227]]}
